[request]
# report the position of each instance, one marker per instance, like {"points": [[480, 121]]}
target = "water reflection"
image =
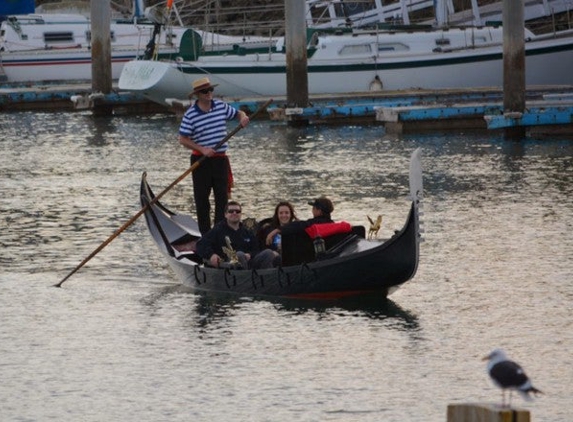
{"points": [[371, 307], [210, 310], [102, 131], [499, 221]]}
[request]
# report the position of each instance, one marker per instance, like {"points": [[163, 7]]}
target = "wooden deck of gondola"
{"points": [[548, 108]]}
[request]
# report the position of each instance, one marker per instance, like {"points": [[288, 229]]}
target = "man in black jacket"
{"points": [[230, 234]]}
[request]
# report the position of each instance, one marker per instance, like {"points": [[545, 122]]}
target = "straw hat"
{"points": [[201, 83]]}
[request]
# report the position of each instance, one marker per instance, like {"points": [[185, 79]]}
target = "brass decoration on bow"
{"points": [[230, 252]]}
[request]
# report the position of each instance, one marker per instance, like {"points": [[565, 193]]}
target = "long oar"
{"points": [[167, 189]]}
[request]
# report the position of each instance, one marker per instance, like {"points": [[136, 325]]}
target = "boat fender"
{"points": [[376, 84], [328, 229]]}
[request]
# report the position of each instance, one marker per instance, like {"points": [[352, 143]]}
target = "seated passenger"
{"points": [[229, 234], [321, 209], [269, 233]]}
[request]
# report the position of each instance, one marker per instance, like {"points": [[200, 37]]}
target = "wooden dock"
{"points": [[71, 97], [548, 109], [336, 108], [474, 116]]}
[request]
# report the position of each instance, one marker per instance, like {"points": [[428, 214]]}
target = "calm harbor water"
{"points": [[122, 341]]}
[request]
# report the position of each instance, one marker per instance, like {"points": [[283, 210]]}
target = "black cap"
{"points": [[323, 203]]}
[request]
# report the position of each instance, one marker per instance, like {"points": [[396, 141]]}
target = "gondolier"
{"points": [[202, 127]]}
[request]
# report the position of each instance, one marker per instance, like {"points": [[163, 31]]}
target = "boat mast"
{"points": [[444, 8], [476, 14], [138, 9]]}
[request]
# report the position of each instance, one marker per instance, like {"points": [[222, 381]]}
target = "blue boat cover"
{"points": [[16, 7]]}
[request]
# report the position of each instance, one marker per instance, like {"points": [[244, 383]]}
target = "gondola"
{"points": [[350, 264]]}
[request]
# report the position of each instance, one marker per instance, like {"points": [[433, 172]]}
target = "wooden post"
{"points": [[101, 52], [486, 412], [513, 63], [296, 57]]}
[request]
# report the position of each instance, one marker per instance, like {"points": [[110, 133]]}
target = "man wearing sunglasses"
{"points": [[202, 127], [242, 241]]}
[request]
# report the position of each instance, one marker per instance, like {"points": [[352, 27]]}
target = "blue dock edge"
{"points": [[342, 108], [537, 113], [398, 111], [68, 97], [419, 110], [535, 116]]}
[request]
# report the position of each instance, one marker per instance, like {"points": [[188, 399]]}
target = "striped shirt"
{"points": [[208, 129]]}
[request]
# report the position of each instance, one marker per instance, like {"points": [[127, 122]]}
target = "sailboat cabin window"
{"points": [[56, 37], [390, 47], [89, 36], [350, 50]]}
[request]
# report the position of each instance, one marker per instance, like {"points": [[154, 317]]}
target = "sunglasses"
{"points": [[206, 90], [233, 211]]}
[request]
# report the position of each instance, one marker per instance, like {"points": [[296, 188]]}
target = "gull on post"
{"points": [[508, 375]]}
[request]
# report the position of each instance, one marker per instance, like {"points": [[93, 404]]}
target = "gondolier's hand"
{"points": [[207, 152], [215, 260], [244, 119]]}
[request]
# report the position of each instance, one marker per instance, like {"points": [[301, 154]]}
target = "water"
{"points": [[122, 341]]}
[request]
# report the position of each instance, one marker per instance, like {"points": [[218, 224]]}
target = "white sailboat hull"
{"points": [[57, 47], [421, 65], [72, 66]]}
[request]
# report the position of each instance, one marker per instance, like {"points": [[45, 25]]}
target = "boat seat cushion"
{"points": [[328, 229], [298, 248]]}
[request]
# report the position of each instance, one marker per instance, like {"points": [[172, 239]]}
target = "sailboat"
{"points": [[347, 60], [56, 47]]}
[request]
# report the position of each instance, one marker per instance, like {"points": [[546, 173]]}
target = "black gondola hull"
{"points": [[363, 267]]}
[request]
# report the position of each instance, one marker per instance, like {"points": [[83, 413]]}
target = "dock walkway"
{"points": [[69, 96], [398, 111]]}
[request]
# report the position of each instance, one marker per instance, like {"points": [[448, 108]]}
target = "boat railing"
{"points": [[238, 20], [466, 47], [359, 13], [340, 13], [553, 35]]}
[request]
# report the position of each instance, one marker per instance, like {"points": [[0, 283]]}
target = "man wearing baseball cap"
{"points": [[322, 204]]}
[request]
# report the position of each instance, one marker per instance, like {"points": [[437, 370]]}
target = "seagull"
{"points": [[508, 375]]}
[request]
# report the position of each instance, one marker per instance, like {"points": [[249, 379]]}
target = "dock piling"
{"points": [[513, 64], [101, 54], [486, 412]]}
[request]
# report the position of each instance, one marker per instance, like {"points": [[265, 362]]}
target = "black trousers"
{"points": [[211, 175]]}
